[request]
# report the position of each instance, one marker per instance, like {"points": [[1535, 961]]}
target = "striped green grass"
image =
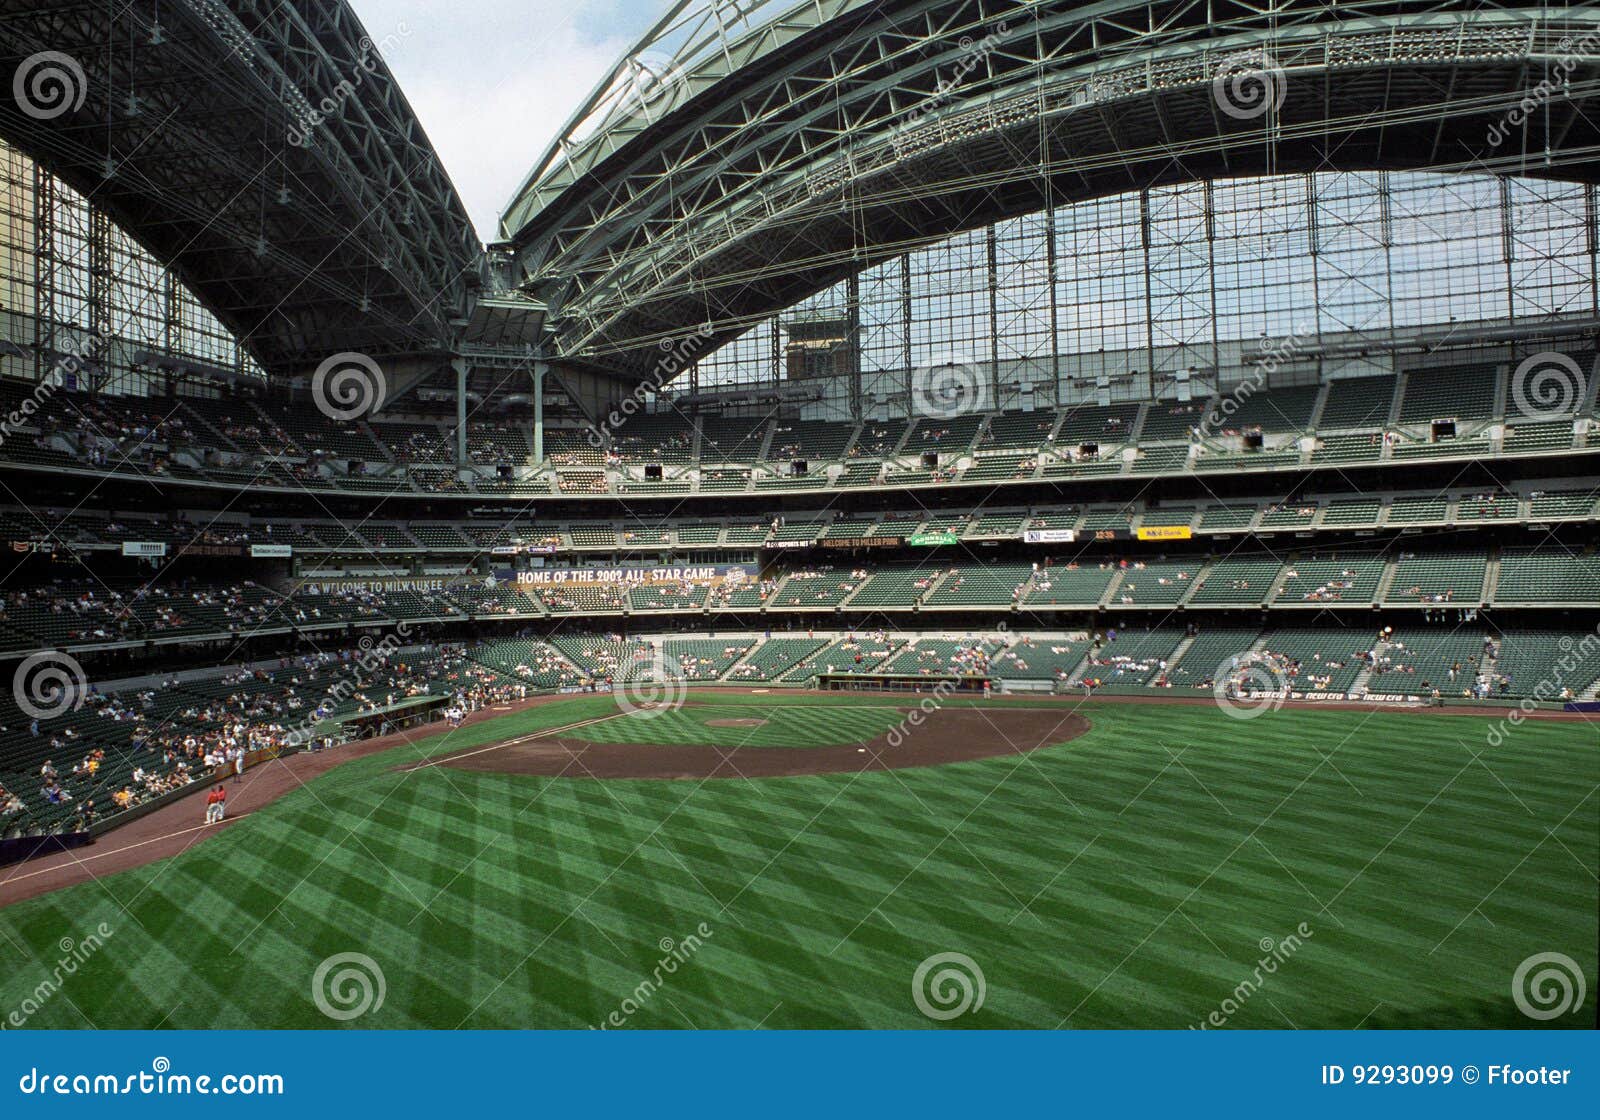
{"points": [[1127, 879], [784, 725]]}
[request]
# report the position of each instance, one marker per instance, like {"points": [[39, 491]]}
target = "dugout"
{"points": [[914, 683]]}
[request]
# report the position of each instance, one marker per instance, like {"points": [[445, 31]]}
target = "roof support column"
{"points": [[540, 368], [460, 366]]}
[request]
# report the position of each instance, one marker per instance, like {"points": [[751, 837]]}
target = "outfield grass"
{"points": [[1127, 879], [785, 725]]}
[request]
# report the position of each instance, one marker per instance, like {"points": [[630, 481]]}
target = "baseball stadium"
{"points": [[922, 514]]}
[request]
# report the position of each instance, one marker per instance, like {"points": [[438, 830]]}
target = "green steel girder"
{"points": [[731, 200], [353, 241]]}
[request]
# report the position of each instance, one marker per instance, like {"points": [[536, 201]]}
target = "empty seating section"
{"points": [[654, 439], [811, 440], [1417, 660], [1488, 506], [879, 438], [1545, 664], [1000, 467], [1223, 519], [936, 656], [1419, 510], [860, 473], [946, 436], [573, 447], [667, 597], [821, 588], [980, 585], [729, 440], [1156, 583], [1289, 515], [775, 657], [1347, 580], [1070, 584], [1274, 410], [1439, 577], [724, 479], [1196, 667], [1327, 659], [1109, 426], [1131, 657], [1023, 430], [619, 661], [1352, 512], [1563, 505], [704, 659], [1348, 448], [1245, 582], [1551, 575], [1357, 402], [1464, 394], [1162, 460], [1168, 420], [996, 525], [895, 587], [1528, 438], [851, 654], [1039, 659]]}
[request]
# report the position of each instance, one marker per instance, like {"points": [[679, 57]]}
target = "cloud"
{"points": [[494, 81]]}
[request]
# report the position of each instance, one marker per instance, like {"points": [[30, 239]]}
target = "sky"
{"points": [[493, 81]]}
